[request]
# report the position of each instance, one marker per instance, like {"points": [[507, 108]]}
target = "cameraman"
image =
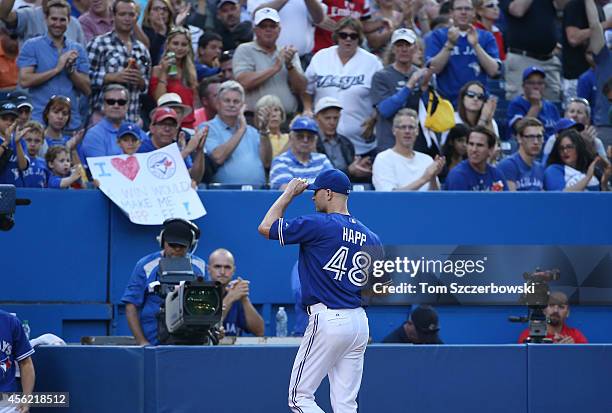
{"points": [[178, 239], [556, 313]]}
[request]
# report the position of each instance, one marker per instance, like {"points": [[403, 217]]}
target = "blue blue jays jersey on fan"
{"points": [[235, 320], [137, 293], [333, 264], [36, 175], [14, 347]]}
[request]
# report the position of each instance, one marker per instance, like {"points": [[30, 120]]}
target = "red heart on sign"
{"points": [[128, 167]]}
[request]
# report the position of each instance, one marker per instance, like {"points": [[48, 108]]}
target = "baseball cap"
{"points": [[222, 2], [267, 13], [8, 108], [128, 128], [304, 123], [564, 123], [333, 179], [531, 70], [177, 232], [21, 99], [425, 319], [163, 112], [174, 100], [404, 34], [327, 102]]}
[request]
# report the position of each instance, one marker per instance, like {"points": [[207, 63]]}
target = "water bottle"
{"points": [[26, 328], [172, 70], [281, 322]]}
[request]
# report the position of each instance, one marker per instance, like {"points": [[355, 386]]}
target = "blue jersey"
{"points": [[549, 115], [14, 347], [235, 320], [465, 178], [136, 292], [333, 263], [526, 178], [36, 175], [11, 174], [558, 177]]}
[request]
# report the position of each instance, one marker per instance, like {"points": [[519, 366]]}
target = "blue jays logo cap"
{"points": [[332, 179], [564, 123], [127, 128], [531, 70], [304, 123]]}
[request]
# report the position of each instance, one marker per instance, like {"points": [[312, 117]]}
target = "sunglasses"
{"points": [[475, 95], [492, 5], [112, 102], [60, 98], [344, 36]]}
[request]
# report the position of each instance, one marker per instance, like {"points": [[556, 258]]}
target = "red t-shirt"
{"points": [[337, 10], [499, 39], [574, 333], [176, 86]]}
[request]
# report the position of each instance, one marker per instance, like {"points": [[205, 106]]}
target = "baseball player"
{"points": [[333, 267]]}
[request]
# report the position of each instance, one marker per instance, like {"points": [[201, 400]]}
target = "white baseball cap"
{"points": [[267, 13], [404, 34], [327, 102]]}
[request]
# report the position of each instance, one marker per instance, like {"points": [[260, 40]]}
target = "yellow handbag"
{"points": [[440, 113]]}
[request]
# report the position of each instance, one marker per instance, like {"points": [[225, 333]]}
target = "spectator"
{"points": [[455, 148], [475, 174], [56, 117], [521, 169], [210, 47], [562, 125], [24, 107], [97, 20], [237, 150], [572, 168], [163, 132], [61, 175], [395, 86], [487, 13], [112, 61], [531, 38], [298, 19], [575, 41], [157, 22], [15, 351], [227, 61], [401, 168], [227, 24], [12, 154], [532, 102], [29, 22], [421, 328], [263, 68], [208, 90], [129, 138], [461, 53], [9, 49], [36, 174], [177, 239], [557, 330], [302, 159], [183, 81], [269, 116], [338, 149], [174, 101], [476, 107], [345, 72], [238, 312]]}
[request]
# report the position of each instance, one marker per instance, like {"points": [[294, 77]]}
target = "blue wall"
{"points": [[71, 252]]}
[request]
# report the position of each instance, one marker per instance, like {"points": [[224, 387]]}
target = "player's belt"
{"points": [[316, 308]]}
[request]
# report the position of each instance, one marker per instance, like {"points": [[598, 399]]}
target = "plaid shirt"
{"points": [[107, 54]]}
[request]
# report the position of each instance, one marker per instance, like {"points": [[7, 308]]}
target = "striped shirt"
{"points": [[286, 166]]}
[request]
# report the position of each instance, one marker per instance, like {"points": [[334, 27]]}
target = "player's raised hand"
{"points": [[296, 187]]}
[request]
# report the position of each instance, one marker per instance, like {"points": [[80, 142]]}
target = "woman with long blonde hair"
{"points": [[176, 72]]}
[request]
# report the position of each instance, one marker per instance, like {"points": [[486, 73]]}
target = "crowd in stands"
{"points": [[402, 95]]}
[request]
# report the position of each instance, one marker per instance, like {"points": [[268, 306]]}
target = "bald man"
{"points": [[238, 312]]}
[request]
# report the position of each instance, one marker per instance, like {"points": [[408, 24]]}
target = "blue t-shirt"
{"points": [[11, 174], [603, 71], [36, 175], [334, 251], [463, 64], [587, 89], [549, 115], [136, 292], [465, 178], [57, 142], [14, 347], [526, 178], [235, 320], [54, 181], [286, 166], [557, 177]]}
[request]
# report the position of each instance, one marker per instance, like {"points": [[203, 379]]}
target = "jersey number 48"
{"points": [[357, 274]]}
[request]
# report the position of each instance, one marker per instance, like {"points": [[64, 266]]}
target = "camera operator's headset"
{"points": [[193, 228]]}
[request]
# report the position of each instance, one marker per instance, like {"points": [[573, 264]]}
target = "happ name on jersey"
{"points": [[355, 237]]}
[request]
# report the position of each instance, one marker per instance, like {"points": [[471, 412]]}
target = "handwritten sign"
{"points": [[149, 187]]}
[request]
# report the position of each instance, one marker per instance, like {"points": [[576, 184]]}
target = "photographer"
{"points": [[177, 239], [556, 313]]}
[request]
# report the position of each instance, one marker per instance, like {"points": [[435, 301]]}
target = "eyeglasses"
{"points": [[304, 136], [465, 8], [534, 137], [475, 95], [160, 9], [345, 35], [568, 147], [167, 125], [406, 127], [112, 102], [493, 5]]}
